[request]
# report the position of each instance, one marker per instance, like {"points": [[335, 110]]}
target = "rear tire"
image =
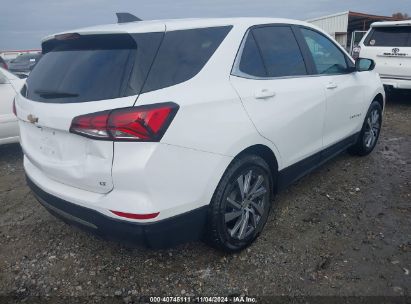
{"points": [[241, 204], [370, 131]]}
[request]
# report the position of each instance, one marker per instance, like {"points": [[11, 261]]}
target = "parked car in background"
{"points": [[9, 86], [3, 63], [190, 131], [24, 64], [389, 45]]}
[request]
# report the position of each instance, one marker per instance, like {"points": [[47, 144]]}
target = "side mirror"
{"points": [[364, 64]]}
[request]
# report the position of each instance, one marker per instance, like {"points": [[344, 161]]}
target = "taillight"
{"points": [[67, 36], [144, 123], [14, 107]]}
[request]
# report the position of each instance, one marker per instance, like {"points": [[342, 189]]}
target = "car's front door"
{"points": [[286, 105], [343, 85], [8, 121]]}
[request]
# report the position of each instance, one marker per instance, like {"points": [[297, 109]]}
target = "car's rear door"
{"points": [[81, 74], [285, 103]]}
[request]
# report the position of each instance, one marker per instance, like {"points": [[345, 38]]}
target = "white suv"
{"points": [[389, 45], [161, 132]]}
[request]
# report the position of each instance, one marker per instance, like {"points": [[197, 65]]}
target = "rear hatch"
{"points": [[390, 47], [81, 74]]}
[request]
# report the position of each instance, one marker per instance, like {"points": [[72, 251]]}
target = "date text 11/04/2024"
{"points": [[202, 299]]}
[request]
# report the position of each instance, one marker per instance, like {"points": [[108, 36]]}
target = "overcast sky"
{"points": [[24, 22]]}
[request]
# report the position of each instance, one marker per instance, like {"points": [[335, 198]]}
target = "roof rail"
{"points": [[126, 17]]}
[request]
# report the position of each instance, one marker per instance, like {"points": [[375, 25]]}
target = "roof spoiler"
{"points": [[126, 17]]}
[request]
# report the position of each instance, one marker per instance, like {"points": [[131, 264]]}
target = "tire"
{"points": [[237, 217], [367, 141]]}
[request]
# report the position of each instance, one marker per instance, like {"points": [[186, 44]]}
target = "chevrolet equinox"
{"points": [[162, 132]]}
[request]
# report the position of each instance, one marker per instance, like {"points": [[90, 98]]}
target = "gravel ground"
{"points": [[344, 230]]}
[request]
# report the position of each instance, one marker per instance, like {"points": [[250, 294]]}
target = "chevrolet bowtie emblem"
{"points": [[32, 119]]}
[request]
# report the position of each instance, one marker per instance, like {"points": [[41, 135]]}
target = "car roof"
{"points": [[177, 24], [391, 23]]}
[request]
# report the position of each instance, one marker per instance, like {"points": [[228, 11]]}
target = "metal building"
{"points": [[348, 27]]}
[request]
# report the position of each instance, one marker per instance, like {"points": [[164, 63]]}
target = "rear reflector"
{"points": [[144, 123], [136, 216], [14, 107]]}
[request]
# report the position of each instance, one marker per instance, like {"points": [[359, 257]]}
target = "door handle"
{"points": [[264, 94], [331, 85]]}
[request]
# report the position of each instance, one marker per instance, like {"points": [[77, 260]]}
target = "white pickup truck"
{"points": [[389, 45]]}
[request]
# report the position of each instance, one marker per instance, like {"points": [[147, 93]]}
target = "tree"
{"points": [[401, 16]]}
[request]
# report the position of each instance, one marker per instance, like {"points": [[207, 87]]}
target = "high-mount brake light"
{"points": [[143, 123], [67, 36]]}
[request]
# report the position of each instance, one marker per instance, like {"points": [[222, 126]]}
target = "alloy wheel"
{"points": [[247, 200], [372, 129]]}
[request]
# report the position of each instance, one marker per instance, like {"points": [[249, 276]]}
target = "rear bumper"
{"points": [[166, 233], [396, 83]]}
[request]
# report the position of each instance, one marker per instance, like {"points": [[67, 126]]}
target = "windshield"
{"points": [[398, 36], [92, 67]]}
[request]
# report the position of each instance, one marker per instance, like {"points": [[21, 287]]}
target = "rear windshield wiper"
{"points": [[55, 94]]}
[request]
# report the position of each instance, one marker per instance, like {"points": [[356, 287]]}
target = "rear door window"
{"points": [[251, 61], [280, 51], [183, 54], [92, 67], [399, 36], [272, 51]]}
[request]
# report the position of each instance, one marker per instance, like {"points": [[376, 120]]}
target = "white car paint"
{"points": [[393, 62], [10, 84], [218, 118]]}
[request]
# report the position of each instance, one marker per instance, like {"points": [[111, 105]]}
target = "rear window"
{"points": [[183, 54], [26, 58], [92, 67], [97, 67], [399, 36]]}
